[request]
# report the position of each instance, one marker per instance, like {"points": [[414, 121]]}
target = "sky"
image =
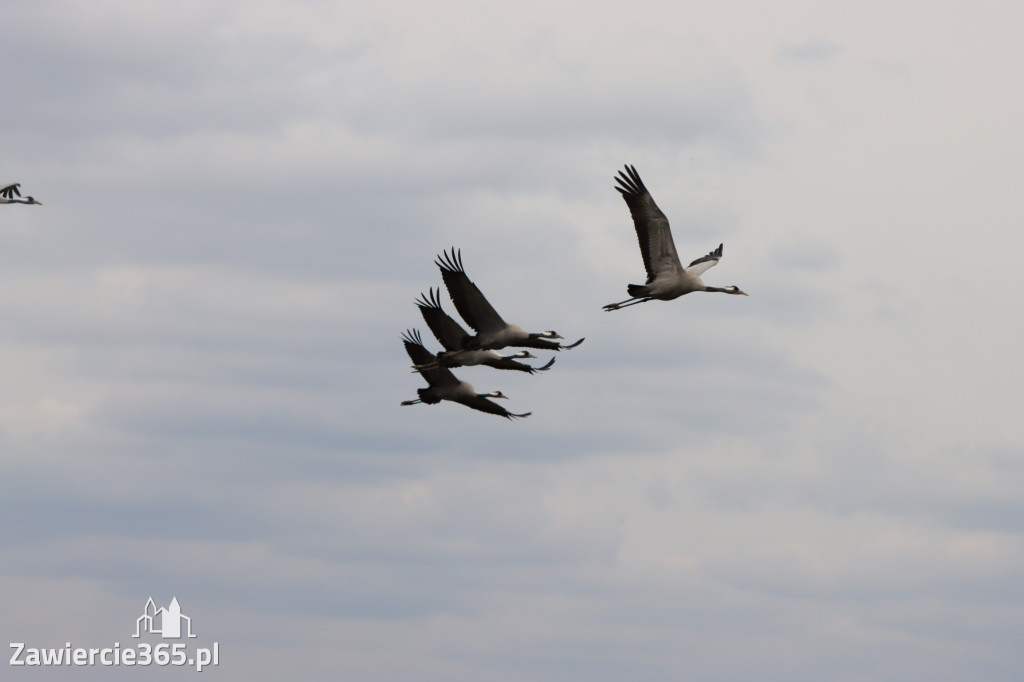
{"points": [[202, 367]]}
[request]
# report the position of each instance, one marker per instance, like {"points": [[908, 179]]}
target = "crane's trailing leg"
{"points": [[625, 304]]}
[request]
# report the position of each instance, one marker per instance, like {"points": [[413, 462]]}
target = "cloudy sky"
{"points": [[202, 369]]}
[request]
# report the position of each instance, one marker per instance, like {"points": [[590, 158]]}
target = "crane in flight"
{"points": [[667, 279], [9, 192], [492, 332], [443, 385]]}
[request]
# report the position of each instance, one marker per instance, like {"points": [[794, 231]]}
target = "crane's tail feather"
{"points": [[637, 290]]}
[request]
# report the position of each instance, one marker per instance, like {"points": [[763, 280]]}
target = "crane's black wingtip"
{"points": [[450, 261], [432, 301], [435, 297], [630, 182], [412, 336]]}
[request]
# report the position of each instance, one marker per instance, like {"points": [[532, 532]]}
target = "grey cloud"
{"points": [[815, 49], [202, 368]]}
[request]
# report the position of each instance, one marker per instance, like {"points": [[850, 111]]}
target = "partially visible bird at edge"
{"points": [[9, 192], [667, 279]]}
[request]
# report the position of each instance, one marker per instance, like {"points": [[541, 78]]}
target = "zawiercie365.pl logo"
{"points": [[169, 623]]}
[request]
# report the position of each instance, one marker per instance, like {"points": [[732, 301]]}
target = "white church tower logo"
{"points": [[163, 622]]}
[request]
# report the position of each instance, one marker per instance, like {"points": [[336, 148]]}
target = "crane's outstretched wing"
{"points": [[447, 331], [652, 228], [509, 363], [468, 300], [485, 405], [423, 360], [534, 370], [10, 191], [705, 263]]}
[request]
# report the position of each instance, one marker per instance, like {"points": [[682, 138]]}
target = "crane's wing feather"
{"points": [[420, 356], [468, 299], [485, 405], [448, 332], [10, 191], [652, 230], [704, 263]]}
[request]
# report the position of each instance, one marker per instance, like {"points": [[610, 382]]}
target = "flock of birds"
{"points": [[667, 279], [463, 349]]}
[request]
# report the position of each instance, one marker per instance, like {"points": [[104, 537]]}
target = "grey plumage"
{"points": [[492, 332], [667, 279], [451, 336], [443, 385]]}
